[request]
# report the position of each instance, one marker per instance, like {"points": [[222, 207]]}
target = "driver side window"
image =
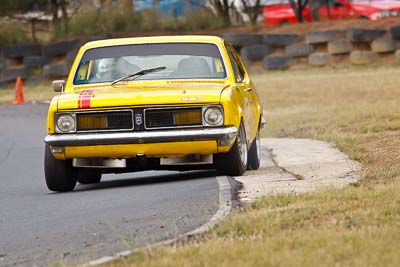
{"points": [[237, 70]]}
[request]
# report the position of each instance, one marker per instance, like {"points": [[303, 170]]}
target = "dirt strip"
{"points": [[297, 166]]}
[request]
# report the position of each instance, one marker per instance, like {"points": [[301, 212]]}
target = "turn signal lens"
{"points": [[190, 117], [92, 122]]}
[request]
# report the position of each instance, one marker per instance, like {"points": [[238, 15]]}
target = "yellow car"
{"points": [[152, 103]]}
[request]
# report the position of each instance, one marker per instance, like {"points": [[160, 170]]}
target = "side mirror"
{"points": [[58, 86]]}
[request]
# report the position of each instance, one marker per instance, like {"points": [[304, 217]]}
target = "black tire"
{"points": [[397, 55], [339, 47], [323, 37], [35, 61], [87, 176], [318, 59], [298, 50], [254, 155], [276, 62], [239, 40], [11, 74], [363, 57], [395, 32], [383, 45], [60, 175], [3, 63], [363, 35], [252, 53], [59, 48], [20, 51], [279, 40], [234, 162], [71, 56], [51, 71]]}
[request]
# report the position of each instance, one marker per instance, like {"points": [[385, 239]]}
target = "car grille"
{"points": [[105, 121], [173, 117]]}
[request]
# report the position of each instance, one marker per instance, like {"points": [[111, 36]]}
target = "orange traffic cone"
{"points": [[19, 95]]}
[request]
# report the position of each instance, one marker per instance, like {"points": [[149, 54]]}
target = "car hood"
{"points": [[145, 95]]}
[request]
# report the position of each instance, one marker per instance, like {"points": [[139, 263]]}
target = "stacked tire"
{"points": [[14, 56], [62, 54]]}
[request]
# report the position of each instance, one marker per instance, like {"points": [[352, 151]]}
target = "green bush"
{"points": [[89, 22], [99, 23], [12, 34], [201, 20]]}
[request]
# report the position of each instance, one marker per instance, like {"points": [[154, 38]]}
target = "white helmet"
{"points": [[106, 65]]}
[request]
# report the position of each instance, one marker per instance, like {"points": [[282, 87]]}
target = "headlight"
{"points": [[65, 123], [213, 116]]}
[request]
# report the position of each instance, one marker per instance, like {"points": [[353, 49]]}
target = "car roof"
{"points": [[156, 39]]}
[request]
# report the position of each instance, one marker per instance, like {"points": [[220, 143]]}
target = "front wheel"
{"points": [[60, 175], [234, 162], [254, 155]]}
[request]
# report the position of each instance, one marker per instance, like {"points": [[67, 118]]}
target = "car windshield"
{"points": [[181, 61]]}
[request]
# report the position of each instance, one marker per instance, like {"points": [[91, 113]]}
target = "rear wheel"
{"points": [[234, 162], [60, 175], [86, 176], [254, 155]]}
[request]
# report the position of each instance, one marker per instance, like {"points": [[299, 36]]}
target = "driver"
{"points": [[106, 69]]}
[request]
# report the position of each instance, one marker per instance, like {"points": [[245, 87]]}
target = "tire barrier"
{"points": [[35, 61], [20, 51], [11, 74], [238, 40], [59, 48], [363, 57], [279, 40], [253, 53], [383, 45], [298, 50], [318, 59], [339, 47], [363, 35], [71, 56], [323, 37], [397, 55], [395, 32], [274, 51], [58, 70], [2, 63], [276, 62]]}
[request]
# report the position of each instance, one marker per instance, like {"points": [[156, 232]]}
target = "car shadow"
{"points": [[163, 178]]}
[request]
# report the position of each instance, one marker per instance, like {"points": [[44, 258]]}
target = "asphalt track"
{"points": [[38, 227]]}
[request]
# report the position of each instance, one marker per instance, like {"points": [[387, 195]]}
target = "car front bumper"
{"points": [[224, 136]]}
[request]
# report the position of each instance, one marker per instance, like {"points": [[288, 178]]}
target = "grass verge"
{"points": [[356, 108]]}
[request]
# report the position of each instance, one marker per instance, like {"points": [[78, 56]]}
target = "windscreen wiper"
{"points": [[138, 74]]}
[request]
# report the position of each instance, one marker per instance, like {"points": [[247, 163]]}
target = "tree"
{"points": [[55, 6], [223, 8], [252, 8], [298, 7], [314, 6]]}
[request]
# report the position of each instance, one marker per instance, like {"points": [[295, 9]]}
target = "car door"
{"points": [[247, 92], [333, 9]]}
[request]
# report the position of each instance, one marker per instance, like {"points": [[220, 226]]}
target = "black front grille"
{"points": [[105, 121], [176, 117]]}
